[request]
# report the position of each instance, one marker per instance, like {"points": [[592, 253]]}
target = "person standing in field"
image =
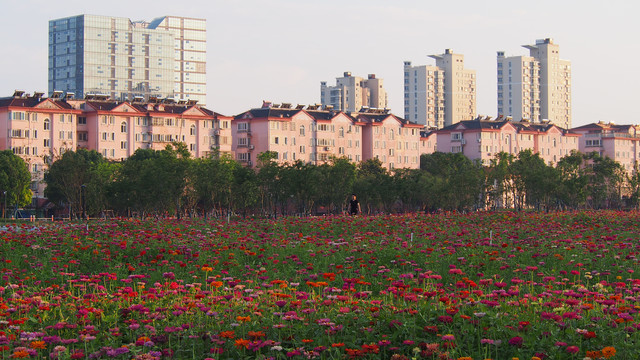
{"points": [[354, 205]]}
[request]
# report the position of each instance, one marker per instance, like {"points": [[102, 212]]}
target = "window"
{"points": [[47, 142], [243, 126], [47, 124], [82, 136], [594, 143], [192, 130], [123, 127], [61, 135], [341, 132], [82, 120], [301, 130], [123, 144]]}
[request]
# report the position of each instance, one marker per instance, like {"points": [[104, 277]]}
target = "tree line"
{"points": [[170, 182]]}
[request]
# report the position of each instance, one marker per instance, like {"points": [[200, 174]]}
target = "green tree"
{"points": [[633, 182], [412, 188], [606, 178], [337, 181], [212, 182], [501, 181], [373, 186], [69, 172], [456, 182], [245, 190], [152, 181], [535, 182], [14, 179], [573, 183], [99, 189], [271, 191], [301, 182]]}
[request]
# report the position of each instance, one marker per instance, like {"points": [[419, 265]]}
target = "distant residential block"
{"points": [[440, 95], [535, 87], [352, 93]]}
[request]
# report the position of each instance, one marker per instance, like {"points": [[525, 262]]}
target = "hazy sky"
{"points": [[280, 50]]}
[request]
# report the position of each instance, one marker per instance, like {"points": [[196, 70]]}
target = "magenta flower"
{"points": [[516, 341]]}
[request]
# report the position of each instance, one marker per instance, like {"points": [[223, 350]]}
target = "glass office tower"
{"points": [[91, 54]]}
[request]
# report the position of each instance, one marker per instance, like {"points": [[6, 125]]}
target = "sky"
{"points": [[280, 50]]}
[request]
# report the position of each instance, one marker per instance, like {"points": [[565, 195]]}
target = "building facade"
{"points": [[535, 87], [352, 93], [424, 100], [440, 95], [40, 129], [190, 55], [316, 135], [112, 56], [482, 139], [619, 142]]}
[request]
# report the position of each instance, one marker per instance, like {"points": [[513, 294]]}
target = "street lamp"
{"points": [[4, 208], [84, 201]]}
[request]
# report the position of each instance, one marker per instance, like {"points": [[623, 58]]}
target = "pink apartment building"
{"points": [[37, 129], [118, 129], [40, 129], [392, 140], [428, 142], [315, 136], [619, 142], [483, 139]]}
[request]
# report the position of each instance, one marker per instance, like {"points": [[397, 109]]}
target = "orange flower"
{"points": [[38, 345], [227, 334], [216, 284], [242, 343], [206, 268], [243, 318], [594, 354], [307, 341], [337, 345], [20, 354], [608, 352], [255, 335]]}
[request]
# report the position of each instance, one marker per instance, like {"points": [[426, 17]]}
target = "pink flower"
{"points": [[572, 349], [448, 337]]}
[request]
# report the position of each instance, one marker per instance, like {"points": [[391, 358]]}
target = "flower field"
{"points": [[446, 286]]}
